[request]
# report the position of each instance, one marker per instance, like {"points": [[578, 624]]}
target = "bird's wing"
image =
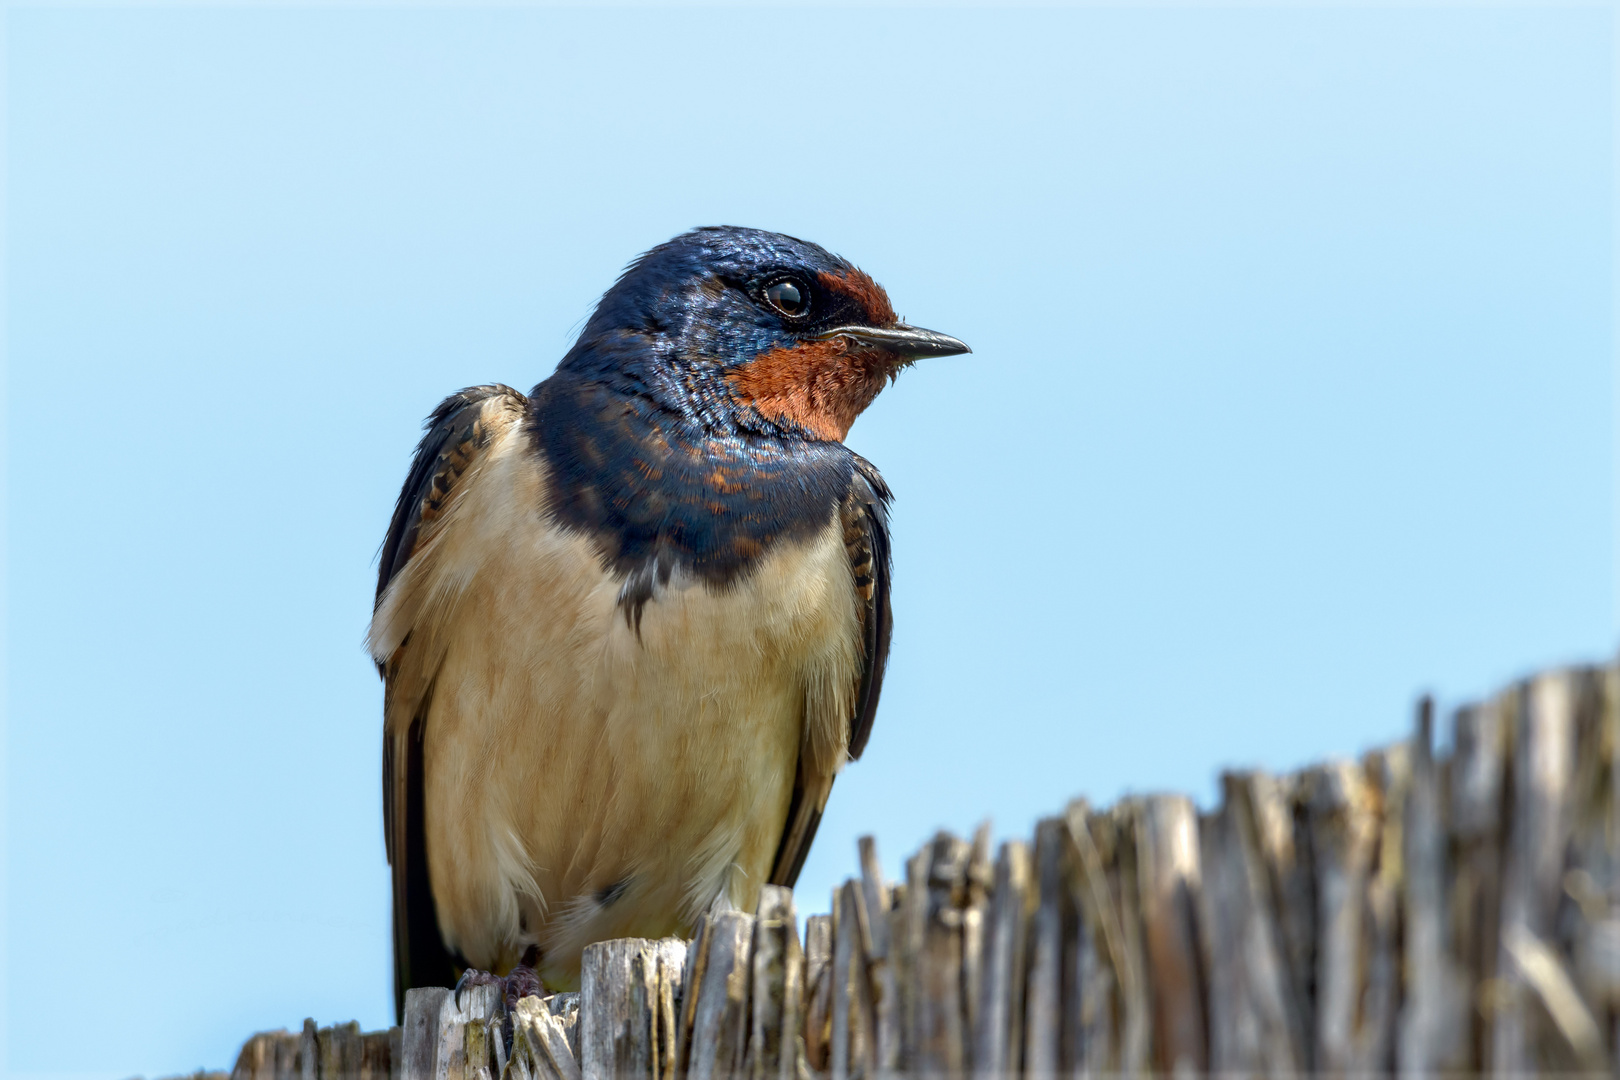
{"points": [[458, 433], [865, 518]]}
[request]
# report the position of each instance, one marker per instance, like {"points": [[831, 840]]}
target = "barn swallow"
{"points": [[632, 625]]}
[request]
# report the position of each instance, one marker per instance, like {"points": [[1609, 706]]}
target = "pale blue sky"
{"points": [[1292, 396]]}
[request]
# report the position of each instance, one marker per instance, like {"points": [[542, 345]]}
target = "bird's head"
{"points": [[745, 328]]}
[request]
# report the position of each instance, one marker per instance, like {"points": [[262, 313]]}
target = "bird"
{"points": [[632, 624]]}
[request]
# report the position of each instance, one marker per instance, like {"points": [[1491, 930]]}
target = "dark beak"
{"points": [[910, 342]]}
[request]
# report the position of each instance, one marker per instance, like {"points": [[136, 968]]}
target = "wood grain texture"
{"points": [[463, 1050], [1434, 1022], [975, 925], [624, 1030], [720, 1013], [1169, 883], [851, 1046], [875, 902], [1255, 1018], [421, 1030], [1343, 832], [936, 890], [1478, 784], [1593, 881], [269, 1055], [776, 991], [540, 1046], [1537, 1017], [1043, 1001], [818, 957]]}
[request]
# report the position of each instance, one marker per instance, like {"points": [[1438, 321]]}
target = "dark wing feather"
{"points": [[873, 567], [420, 957], [452, 437], [865, 517], [456, 433]]}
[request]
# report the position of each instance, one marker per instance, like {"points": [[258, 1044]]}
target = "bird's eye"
{"points": [[788, 297]]}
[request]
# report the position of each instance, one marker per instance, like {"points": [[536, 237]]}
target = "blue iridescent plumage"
{"points": [[649, 452]]}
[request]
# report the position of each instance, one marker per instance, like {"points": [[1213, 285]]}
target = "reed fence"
{"points": [[1416, 912]]}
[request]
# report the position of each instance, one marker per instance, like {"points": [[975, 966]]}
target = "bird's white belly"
{"points": [[583, 781]]}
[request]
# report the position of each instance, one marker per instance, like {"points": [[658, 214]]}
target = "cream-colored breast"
{"points": [[584, 780]]}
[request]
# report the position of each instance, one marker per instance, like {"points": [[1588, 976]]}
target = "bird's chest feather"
{"points": [[586, 766]]}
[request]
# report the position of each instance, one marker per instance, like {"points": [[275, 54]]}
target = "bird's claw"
{"points": [[521, 982], [473, 977]]}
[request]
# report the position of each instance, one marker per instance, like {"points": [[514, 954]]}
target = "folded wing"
{"points": [[447, 460], [865, 519]]}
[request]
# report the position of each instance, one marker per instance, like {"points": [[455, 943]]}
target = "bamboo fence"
{"points": [[1413, 913]]}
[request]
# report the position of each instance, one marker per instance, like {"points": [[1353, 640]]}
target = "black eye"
{"points": [[788, 297]]}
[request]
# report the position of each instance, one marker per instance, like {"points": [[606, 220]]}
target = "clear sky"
{"points": [[1292, 396]]}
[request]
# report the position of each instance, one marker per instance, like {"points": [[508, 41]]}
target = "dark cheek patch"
{"points": [[867, 294]]}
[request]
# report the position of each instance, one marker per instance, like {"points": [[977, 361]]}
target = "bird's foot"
{"points": [[521, 982]]}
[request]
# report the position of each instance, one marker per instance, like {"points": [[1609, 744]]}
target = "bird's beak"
{"points": [[910, 342]]}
